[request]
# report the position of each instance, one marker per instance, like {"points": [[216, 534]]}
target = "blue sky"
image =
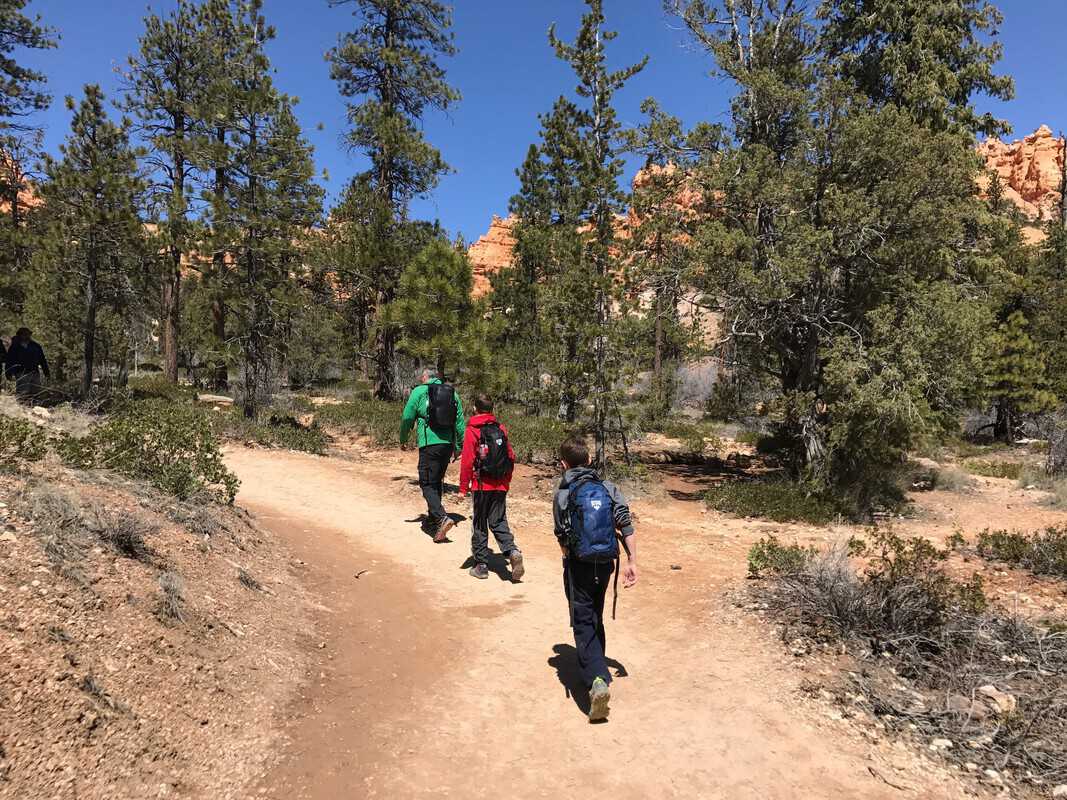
{"points": [[507, 75]]}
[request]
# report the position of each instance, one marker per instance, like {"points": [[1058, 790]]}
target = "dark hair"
{"points": [[484, 403], [24, 332], [575, 452]]}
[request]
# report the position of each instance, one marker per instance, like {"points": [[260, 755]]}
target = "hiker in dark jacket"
{"points": [[24, 363], [585, 582], [437, 445], [490, 490]]}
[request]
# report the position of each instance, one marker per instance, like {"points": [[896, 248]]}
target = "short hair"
{"points": [[575, 452], [429, 374], [484, 403], [24, 332]]}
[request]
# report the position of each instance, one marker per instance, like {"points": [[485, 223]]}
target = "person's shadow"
{"points": [[497, 563], [423, 521], [565, 662]]}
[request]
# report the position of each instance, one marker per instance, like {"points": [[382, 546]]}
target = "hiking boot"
{"points": [[480, 571], [446, 525], [599, 696], [517, 569]]}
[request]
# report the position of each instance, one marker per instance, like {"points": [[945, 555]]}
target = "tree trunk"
{"points": [[89, 332], [220, 377], [386, 379], [171, 291]]}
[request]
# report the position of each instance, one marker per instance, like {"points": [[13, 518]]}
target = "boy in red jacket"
{"points": [[487, 463]]}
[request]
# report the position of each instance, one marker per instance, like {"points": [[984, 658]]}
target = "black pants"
{"points": [[490, 514], [586, 586], [433, 463]]}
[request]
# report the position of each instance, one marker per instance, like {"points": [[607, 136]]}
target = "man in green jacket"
{"points": [[437, 445]]}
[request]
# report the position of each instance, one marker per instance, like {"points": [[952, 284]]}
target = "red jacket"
{"points": [[466, 459]]}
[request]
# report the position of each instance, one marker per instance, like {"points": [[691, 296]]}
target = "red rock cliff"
{"points": [[1030, 169]]}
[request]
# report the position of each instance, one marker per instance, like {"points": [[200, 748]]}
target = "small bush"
{"points": [[156, 387], [535, 439], [60, 525], [770, 555], [126, 535], [248, 581], [21, 441], [172, 446], [1009, 470], [776, 500], [279, 430], [378, 419], [1042, 552], [171, 606], [750, 438]]}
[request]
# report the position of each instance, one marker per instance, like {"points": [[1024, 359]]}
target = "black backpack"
{"points": [[491, 458], [442, 409]]}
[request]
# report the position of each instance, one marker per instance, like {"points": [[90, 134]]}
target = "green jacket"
{"points": [[416, 413]]}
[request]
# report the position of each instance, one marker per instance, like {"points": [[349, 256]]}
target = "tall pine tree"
{"points": [[388, 71], [90, 239]]}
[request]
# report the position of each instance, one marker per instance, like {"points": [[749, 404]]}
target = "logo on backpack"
{"points": [[591, 513]]}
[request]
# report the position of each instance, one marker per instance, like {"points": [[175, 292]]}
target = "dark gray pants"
{"points": [[490, 514], [433, 463]]}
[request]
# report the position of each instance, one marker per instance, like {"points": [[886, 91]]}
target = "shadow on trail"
{"points": [[450, 488], [565, 662], [498, 565]]}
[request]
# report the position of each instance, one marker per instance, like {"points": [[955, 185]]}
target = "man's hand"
{"points": [[629, 574], [563, 549], [404, 447]]}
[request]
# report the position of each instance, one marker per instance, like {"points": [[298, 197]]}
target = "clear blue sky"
{"points": [[507, 75]]}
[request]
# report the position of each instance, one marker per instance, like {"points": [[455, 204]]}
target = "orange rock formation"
{"points": [[492, 253], [1030, 170]]}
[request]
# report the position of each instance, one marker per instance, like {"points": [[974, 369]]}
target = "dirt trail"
{"points": [[432, 684]]}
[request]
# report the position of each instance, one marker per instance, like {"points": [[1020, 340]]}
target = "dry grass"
{"points": [[171, 606], [934, 662]]}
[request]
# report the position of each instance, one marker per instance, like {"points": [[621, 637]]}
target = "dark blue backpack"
{"points": [[592, 517]]}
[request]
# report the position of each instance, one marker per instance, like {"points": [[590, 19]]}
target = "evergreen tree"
{"points": [[268, 204], [166, 88], [387, 69], [22, 93], [90, 243], [1017, 377], [22, 90], [439, 322], [928, 58], [841, 245]]}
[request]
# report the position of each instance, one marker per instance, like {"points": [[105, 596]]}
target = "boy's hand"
{"points": [[563, 549], [629, 574]]}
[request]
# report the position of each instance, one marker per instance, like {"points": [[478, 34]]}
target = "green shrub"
{"points": [[534, 439], [278, 430], [695, 437], [770, 555], [778, 500], [994, 469], [172, 446], [21, 441], [1042, 552], [751, 438], [378, 419], [156, 387]]}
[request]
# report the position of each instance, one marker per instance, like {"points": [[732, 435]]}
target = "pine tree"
{"points": [[1017, 377], [840, 243], [268, 204], [22, 93], [387, 69], [166, 86], [440, 324], [90, 243]]}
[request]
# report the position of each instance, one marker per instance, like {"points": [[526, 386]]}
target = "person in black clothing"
{"points": [[585, 583], [24, 363]]}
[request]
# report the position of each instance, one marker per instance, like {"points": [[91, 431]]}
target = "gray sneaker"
{"points": [[480, 571], [517, 569], [599, 697]]}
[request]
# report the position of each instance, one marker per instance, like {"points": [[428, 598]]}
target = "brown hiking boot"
{"points": [[446, 525], [517, 569]]}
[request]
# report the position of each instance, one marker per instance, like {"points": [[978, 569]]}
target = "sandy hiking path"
{"points": [[429, 683]]}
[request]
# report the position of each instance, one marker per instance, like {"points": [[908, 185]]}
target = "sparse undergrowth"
{"points": [[377, 419], [1042, 552], [278, 429], [937, 661], [1009, 470], [778, 500], [20, 442]]}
